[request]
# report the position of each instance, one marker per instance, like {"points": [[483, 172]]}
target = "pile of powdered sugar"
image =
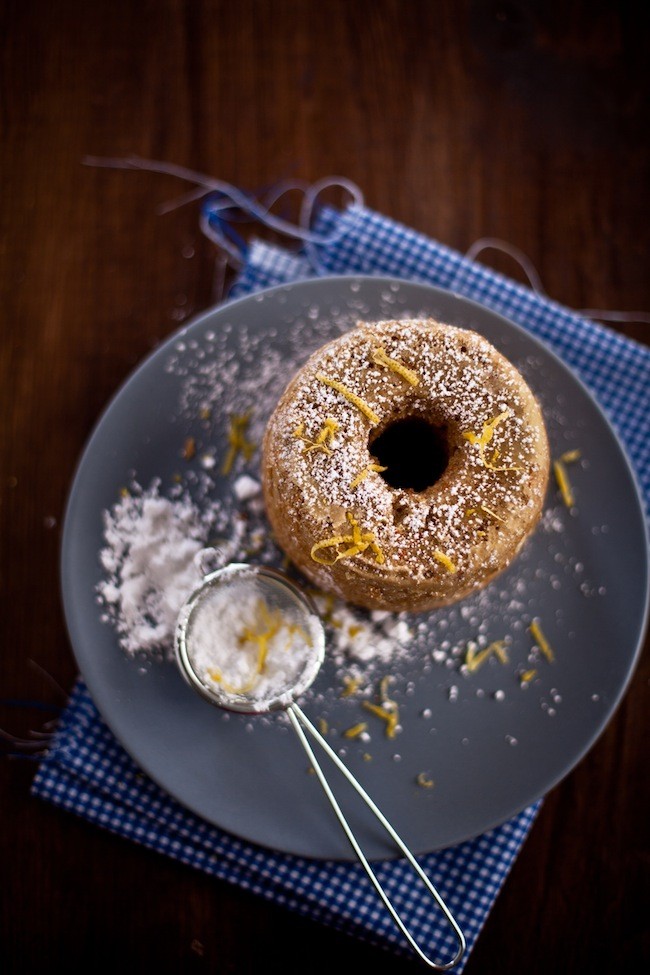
{"points": [[360, 637], [148, 559], [153, 556]]}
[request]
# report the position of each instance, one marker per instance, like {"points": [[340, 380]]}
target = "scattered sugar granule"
{"points": [[379, 638], [246, 487]]}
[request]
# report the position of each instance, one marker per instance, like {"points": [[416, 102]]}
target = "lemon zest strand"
{"points": [[355, 730], [326, 433], [561, 476], [273, 622], [350, 686], [380, 357], [492, 514], [499, 650], [387, 710], [444, 560], [367, 411], [424, 781], [383, 690], [570, 456], [238, 442], [474, 659], [362, 475], [294, 629], [527, 675], [358, 541], [218, 678], [390, 718], [562, 480], [483, 439], [541, 641]]}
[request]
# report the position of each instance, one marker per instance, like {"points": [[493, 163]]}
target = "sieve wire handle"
{"points": [[300, 722]]}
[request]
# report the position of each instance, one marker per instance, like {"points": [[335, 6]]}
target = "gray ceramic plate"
{"points": [[490, 746]]}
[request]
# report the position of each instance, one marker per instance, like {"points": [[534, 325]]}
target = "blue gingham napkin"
{"points": [[87, 772]]}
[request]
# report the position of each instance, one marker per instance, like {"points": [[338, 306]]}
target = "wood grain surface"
{"points": [[525, 121]]}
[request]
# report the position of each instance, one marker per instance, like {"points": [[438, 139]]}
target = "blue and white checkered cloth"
{"points": [[87, 772]]}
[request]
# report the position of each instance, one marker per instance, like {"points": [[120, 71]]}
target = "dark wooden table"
{"points": [[523, 121]]}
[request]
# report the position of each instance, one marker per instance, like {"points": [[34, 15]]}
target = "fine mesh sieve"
{"points": [[249, 640]]}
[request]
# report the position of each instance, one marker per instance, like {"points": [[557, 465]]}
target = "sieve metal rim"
{"points": [[241, 703]]}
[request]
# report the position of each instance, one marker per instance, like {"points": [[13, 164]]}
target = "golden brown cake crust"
{"points": [[391, 547]]}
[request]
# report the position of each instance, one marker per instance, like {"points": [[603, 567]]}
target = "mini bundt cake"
{"points": [[405, 465]]}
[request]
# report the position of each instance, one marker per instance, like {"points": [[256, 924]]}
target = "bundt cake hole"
{"points": [[414, 452]]}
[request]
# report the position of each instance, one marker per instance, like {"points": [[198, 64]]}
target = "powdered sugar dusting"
{"points": [[151, 564], [153, 533]]}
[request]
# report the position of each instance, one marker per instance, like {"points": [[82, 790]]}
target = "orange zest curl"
{"points": [[355, 730], [360, 404], [362, 475], [570, 456], [229, 688], [356, 543], [293, 630], [475, 658], [445, 561], [483, 439], [238, 442], [541, 641], [350, 686], [271, 623], [527, 675], [424, 780], [561, 476], [492, 514], [389, 716], [327, 432], [381, 359], [562, 480], [387, 710]]}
